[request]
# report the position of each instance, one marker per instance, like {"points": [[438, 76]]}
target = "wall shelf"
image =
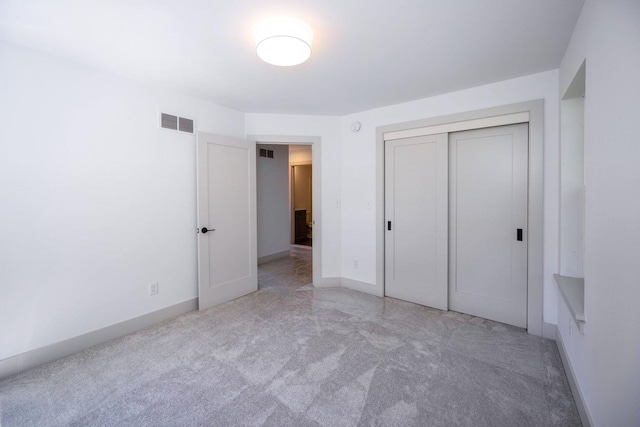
{"points": [[572, 290]]}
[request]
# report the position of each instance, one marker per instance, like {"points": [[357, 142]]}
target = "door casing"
{"points": [[315, 143]]}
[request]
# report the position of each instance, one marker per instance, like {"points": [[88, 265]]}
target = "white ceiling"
{"points": [[366, 53]]}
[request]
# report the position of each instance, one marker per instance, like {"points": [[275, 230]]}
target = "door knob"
{"points": [[205, 230]]}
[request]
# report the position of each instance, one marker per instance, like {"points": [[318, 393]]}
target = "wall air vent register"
{"points": [[169, 121], [266, 153]]}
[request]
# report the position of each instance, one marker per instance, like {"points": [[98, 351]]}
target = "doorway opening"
{"points": [[314, 142], [285, 214]]}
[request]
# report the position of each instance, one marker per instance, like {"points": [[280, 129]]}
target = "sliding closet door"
{"points": [[488, 223], [416, 210]]}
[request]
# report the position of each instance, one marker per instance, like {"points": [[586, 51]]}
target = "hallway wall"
{"points": [[272, 175]]}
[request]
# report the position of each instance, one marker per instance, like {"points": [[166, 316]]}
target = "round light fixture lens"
{"points": [[284, 42], [283, 51]]}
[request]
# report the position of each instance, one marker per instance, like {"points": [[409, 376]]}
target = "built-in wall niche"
{"points": [[572, 195]]}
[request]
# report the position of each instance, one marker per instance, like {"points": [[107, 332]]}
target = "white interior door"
{"points": [[227, 251], [416, 214], [488, 204]]}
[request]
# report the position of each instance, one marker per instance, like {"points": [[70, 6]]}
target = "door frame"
{"points": [[314, 142], [531, 112]]}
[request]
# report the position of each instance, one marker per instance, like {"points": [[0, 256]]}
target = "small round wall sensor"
{"points": [[355, 126]]}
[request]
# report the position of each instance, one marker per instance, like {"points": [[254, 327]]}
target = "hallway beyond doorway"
{"points": [[290, 273]]}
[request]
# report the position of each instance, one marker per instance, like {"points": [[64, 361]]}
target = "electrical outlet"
{"points": [[153, 288], [355, 263]]}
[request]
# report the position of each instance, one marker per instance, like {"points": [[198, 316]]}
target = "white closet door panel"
{"points": [[416, 207], [488, 204]]}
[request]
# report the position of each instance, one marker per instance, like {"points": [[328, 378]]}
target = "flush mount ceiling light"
{"points": [[284, 42]]}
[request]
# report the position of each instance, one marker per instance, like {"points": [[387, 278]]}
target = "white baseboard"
{"points": [[583, 410], [356, 285], [273, 257], [39, 356], [328, 282], [343, 282], [549, 330]]}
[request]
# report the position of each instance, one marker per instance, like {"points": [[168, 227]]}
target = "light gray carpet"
{"points": [[291, 355]]}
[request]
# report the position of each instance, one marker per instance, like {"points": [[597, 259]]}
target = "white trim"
{"points": [[328, 282], [581, 403], [364, 287], [535, 113], [273, 257], [488, 122], [49, 353], [316, 159], [284, 139]]}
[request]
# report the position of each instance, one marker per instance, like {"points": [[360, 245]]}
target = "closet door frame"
{"points": [[531, 112]]}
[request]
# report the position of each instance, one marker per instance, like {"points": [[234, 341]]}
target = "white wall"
{"points": [[272, 175], [328, 129], [359, 168], [95, 200], [606, 359]]}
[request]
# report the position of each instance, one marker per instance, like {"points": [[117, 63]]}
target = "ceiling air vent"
{"points": [[169, 121]]}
